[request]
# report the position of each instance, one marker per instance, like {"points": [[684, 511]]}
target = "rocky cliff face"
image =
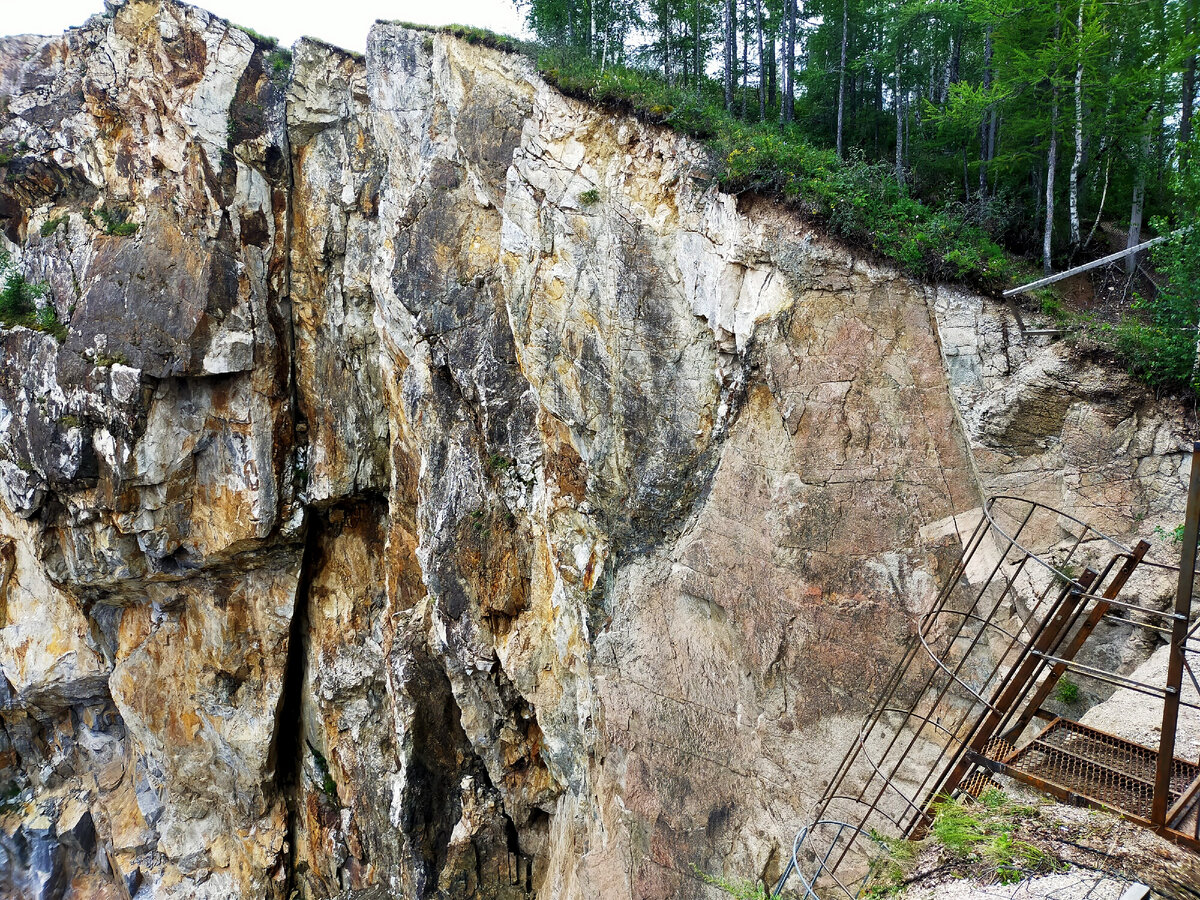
{"points": [[398, 519]]}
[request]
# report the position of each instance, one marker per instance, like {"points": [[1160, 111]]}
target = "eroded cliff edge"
{"points": [[397, 518]]}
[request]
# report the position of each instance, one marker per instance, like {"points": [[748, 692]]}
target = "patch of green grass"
{"points": [[980, 836], [45, 318], [1175, 535], [589, 197], [1161, 355], [112, 221], [263, 39], [104, 360], [1050, 304], [889, 869], [486, 38], [974, 838], [1066, 691], [739, 889]]}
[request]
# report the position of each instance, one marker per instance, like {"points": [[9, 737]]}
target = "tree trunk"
{"points": [[1077, 160], [1103, 197], [1189, 84], [745, 58], [730, 51], [899, 104], [666, 40], [1037, 192], [696, 55], [1051, 162], [878, 110], [772, 80], [1052, 155], [607, 33], [986, 129], [685, 59], [789, 64], [762, 71], [1138, 206], [842, 79]]}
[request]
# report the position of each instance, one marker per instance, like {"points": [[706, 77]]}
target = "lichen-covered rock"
{"points": [[396, 520]]}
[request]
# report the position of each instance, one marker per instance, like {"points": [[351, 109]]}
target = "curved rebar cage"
{"points": [[1030, 587]]}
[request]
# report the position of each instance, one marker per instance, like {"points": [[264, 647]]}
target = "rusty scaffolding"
{"points": [[967, 703]]}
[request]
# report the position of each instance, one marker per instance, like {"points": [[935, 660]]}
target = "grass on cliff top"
{"points": [[858, 201]]}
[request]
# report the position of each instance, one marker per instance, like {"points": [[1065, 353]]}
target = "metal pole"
{"points": [[1183, 609], [1094, 264]]}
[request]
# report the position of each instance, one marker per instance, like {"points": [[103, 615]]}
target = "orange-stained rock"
{"points": [[394, 522]]}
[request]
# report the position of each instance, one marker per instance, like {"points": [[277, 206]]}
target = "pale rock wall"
{"points": [[395, 522]]}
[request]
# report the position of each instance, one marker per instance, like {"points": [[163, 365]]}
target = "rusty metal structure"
{"points": [[967, 703]]}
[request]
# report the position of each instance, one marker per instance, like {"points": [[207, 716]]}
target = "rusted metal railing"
{"points": [[1030, 588]]}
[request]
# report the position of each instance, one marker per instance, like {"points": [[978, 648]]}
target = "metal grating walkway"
{"points": [[1067, 758]]}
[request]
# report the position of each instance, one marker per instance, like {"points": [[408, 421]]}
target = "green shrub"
{"points": [[45, 318], [104, 359], [328, 785], [280, 61], [51, 225], [589, 197], [1158, 354], [17, 296], [1175, 535], [1158, 341], [19, 301], [1066, 691]]}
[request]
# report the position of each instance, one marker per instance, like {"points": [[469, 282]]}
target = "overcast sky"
{"points": [[341, 22]]}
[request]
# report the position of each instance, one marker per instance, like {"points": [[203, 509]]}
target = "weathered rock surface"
{"points": [[393, 521]]}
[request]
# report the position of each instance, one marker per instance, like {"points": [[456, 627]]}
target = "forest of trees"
{"points": [[1061, 127]]}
